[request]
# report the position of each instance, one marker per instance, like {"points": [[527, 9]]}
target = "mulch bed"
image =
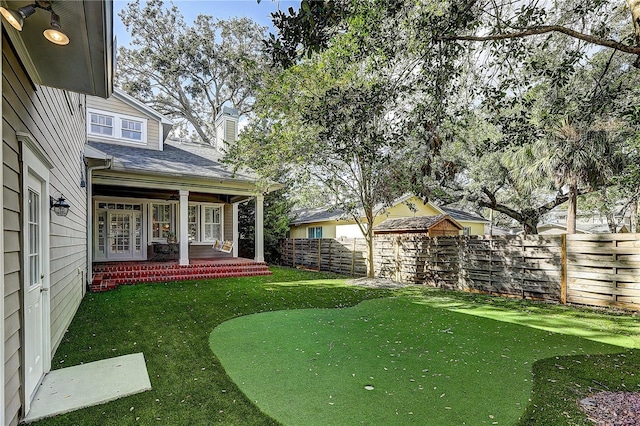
{"points": [[613, 408]]}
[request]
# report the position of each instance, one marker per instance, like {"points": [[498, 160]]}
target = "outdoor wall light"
{"points": [[59, 206], [16, 19]]}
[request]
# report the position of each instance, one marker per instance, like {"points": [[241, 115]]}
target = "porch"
{"points": [[109, 275]]}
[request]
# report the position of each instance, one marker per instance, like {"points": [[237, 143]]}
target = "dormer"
{"points": [[123, 120], [226, 127]]}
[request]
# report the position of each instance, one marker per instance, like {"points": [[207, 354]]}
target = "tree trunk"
{"points": [[530, 227], [370, 269], [571, 207], [633, 226]]}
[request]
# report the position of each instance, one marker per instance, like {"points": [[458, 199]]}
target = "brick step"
{"points": [[111, 277]]}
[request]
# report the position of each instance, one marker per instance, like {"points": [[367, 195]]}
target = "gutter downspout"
{"points": [[90, 218]]}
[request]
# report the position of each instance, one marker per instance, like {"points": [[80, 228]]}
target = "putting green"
{"points": [[388, 361]]}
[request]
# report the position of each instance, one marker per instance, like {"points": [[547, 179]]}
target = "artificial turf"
{"points": [[171, 324], [388, 361]]}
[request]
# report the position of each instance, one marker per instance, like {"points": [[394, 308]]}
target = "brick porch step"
{"points": [[108, 276]]}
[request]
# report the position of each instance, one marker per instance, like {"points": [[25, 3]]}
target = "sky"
{"points": [[222, 9]]}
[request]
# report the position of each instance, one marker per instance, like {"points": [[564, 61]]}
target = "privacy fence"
{"points": [[595, 269]]}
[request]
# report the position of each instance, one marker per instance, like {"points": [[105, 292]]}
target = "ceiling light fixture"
{"points": [[16, 19], [55, 34]]}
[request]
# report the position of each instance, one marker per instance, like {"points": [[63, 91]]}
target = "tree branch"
{"points": [[544, 29]]}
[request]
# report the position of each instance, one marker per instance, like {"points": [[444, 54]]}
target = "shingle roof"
{"points": [[177, 159], [321, 214], [420, 223], [462, 215]]}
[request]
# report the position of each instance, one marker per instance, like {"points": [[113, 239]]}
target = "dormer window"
{"points": [[101, 124], [115, 126], [132, 129]]}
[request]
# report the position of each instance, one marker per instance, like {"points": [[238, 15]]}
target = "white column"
{"points": [[184, 227], [259, 237], [234, 229]]}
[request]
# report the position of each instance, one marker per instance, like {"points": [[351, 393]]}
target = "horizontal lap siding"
{"points": [[117, 106], [57, 123]]}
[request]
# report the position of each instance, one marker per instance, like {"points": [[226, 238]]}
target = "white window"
{"points": [[101, 124], [212, 223], [131, 129], [205, 222], [466, 230], [193, 223], [314, 232], [117, 126], [161, 221]]}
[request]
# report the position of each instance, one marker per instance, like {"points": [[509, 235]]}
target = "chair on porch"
{"points": [[160, 251]]}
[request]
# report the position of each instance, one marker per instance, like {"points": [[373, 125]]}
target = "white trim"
{"points": [[2, 338], [117, 126], [234, 229], [32, 164]]}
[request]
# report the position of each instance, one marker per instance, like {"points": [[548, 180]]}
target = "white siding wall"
{"points": [[57, 122], [117, 106]]}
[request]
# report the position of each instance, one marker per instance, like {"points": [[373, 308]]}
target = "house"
{"points": [[581, 228], [89, 174], [432, 226], [44, 262], [145, 187], [333, 223]]}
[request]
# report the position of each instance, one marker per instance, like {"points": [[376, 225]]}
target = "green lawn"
{"points": [[172, 323]]}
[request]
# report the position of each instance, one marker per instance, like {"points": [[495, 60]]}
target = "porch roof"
{"points": [[177, 160]]}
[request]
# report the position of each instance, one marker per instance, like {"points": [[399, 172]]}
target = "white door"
{"points": [[120, 239], [34, 276]]}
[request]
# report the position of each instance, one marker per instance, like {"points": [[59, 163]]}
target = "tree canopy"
{"points": [[188, 72]]}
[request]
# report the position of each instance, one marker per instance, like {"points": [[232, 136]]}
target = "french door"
{"points": [[119, 233]]}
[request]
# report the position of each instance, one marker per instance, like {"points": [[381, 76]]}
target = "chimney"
{"points": [[226, 127]]}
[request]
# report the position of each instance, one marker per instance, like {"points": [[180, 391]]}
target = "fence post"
{"points": [[319, 254], [398, 277], [563, 269], [293, 253], [353, 258]]}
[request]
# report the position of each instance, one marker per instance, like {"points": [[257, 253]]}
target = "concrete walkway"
{"points": [[81, 386]]}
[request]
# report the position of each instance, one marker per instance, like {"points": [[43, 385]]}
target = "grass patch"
{"points": [[427, 365], [171, 323]]}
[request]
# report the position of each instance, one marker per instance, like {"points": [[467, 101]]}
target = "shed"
{"points": [[433, 226]]}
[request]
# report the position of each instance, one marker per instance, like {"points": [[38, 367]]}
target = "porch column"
{"points": [[234, 229], [184, 227], [259, 234]]}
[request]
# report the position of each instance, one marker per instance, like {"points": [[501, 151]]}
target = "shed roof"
{"points": [[413, 224]]}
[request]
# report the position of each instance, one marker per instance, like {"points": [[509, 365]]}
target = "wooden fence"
{"points": [[342, 256], [595, 269]]}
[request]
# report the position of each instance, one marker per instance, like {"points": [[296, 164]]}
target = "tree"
{"points": [[277, 209], [189, 72], [589, 22], [353, 117]]}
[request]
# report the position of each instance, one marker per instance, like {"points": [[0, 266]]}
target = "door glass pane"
{"points": [[34, 237], [119, 233], [138, 232], [102, 227]]}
